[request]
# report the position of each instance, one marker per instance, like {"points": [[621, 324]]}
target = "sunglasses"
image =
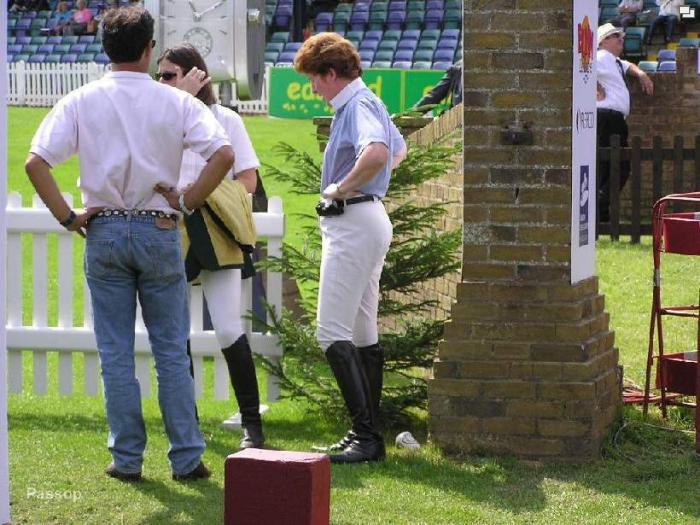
{"points": [[166, 75]]}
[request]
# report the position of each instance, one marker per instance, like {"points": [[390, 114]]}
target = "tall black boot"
{"points": [[368, 444], [241, 370]]}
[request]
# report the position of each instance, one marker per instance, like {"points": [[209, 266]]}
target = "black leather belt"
{"points": [[135, 213], [363, 198]]}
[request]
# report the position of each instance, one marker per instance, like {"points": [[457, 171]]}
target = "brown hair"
{"points": [[325, 51], [126, 32], [186, 56]]}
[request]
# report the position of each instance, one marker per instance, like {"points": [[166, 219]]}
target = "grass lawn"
{"points": [[648, 475]]}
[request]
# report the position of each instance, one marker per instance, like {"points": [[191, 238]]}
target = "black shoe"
{"points": [[253, 436], [338, 446], [112, 472], [199, 472], [368, 444]]}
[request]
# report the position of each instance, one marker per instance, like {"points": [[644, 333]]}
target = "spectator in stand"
{"points": [[613, 105], [669, 15], [449, 86], [79, 22], [628, 10], [18, 6]]}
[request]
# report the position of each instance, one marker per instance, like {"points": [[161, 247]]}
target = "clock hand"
{"points": [[197, 16], [211, 8]]}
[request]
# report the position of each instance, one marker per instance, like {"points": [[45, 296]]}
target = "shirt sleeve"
{"points": [[203, 133], [56, 140], [240, 142], [398, 146], [366, 127]]}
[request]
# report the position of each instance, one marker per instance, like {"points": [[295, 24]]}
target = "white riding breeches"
{"points": [[354, 245], [222, 290]]}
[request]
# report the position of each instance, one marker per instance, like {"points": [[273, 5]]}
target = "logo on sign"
{"points": [[585, 49], [584, 197], [584, 120]]}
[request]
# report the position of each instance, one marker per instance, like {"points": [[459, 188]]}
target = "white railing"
{"points": [[66, 338], [45, 84]]}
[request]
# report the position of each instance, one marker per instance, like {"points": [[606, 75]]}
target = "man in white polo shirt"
{"points": [[129, 133], [613, 104]]}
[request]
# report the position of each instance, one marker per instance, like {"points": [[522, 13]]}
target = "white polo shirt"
{"points": [[245, 157], [617, 96], [129, 132]]}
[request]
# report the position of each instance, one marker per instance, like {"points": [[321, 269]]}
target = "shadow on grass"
{"points": [[204, 507]]}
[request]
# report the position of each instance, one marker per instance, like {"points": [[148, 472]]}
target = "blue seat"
{"points": [[667, 67], [395, 19], [52, 58], [46, 49], [367, 55], [689, 42], [401, 64], [292, 46], [397, 5], [286, 56], [666, 55], [431, 34], [443, 55], [403, 55], [423, 55], [359, 20], [420, 64], [94, 48], [407, 44], [447, 44], [442, 66], [433, 18], [365, 65], [86, 39], [369, 44], [649, 66], [381, 63], [77, 48], [23, 40], [69, 58], [451, 33], [102, 58], [411, 34], [376, 34], [14, 49], [323, 21], [54, 40], [37, 58]]}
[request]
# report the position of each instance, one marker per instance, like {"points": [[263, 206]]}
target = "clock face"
{"points": [[201, 39]]}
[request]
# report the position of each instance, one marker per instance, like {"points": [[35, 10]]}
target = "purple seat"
{"points": [[102, 58], [292, 46], [407, 44], [404, 55], [434, 4], [367, 55], [447, 44], [283, 16], [401, 64], [397, 5], [24, 40], [374, 34], [45, 49], [360, 7], [443, 66], [433, 19], [54, 40], [37, 58], [365, 65], [395, 19], [69, 57], [358, 20], [14, 49], [369, 44], [86, 39], [324, 21], [443, 55], [451, 33], [77, 48], [411, 34]]}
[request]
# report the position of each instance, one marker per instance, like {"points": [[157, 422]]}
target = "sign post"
{"points": [[583, 141]]}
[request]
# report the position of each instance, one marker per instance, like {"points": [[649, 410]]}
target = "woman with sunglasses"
{"points": [[184, 68]]}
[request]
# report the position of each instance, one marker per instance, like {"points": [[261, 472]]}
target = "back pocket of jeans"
{"points": [[167, 263], [98, 259]]}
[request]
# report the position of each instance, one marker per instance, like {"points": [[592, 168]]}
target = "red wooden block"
{"points": [[277, 487]]}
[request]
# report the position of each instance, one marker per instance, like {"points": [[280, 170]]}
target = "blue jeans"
{"points": [[126, 257]]}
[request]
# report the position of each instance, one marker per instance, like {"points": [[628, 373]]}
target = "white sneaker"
{"points": [[234, 422]]}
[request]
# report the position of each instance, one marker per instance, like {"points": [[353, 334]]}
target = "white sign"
{"points": [[4, 468], [583, 141]]}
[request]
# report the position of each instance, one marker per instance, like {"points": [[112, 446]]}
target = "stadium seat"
{"points": [[323, 21], [11, 40], [10, 58], [423, 55], [71, 39], [86, 39], [403, 55], [376, 20], [54, 40], [451, 33], [14, 49], [427, 44], [52, 58], [414, 19], [343, 8], [391, 34], [689, 42], [607, 13], [401, 64], [365, 65], [360, 7], [395, 19], [77, 48], [271, 56], [415, 5], [102, 58], [286, 56], [447, 44], [292, 46], [407, 44], [341, 20], [369, 44], [38, 40], [431, 34], [23, 40], [381, 64], [367, 55], [434, 4], [86, 57], [94, 48], [419, 64], [442, 66], [61, 48], [384, 55], [283, 16], [433, 19], [45, 49], [665, 55], [30, 49], [359, 35], [22, 57], [443, 55], [276, 47], [379, 6], [667, 67], [397, 5], [649, 66], [452, 19], [388, 44], [69, 58], [37, 58], [280, 36]]}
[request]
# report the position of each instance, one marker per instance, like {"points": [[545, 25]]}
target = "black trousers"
{"points": [[610, 123]]}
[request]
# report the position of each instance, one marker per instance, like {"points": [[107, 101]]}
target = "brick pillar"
{"points": [[527, 366]]}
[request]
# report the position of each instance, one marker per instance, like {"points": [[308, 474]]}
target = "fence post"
{"points": [[677, 164], [20, 71], [636, 167], [614, 187], [657, 167]]}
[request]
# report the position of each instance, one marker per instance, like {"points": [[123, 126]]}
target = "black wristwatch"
{"points": [[69, 220]]}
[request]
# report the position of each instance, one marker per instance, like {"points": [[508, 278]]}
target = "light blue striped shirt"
{"points": [[360, 119]]}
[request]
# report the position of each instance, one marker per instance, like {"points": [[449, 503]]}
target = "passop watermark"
{"points": [[49, 494]]}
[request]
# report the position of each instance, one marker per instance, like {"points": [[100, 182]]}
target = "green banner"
{"points": [[291, 95]]}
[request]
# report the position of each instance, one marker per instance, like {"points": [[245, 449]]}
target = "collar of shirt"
{"points": [[127, 74], [347, 93]]}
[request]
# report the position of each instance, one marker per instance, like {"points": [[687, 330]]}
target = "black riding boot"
{"points": [[368, 443], [241, 370]]}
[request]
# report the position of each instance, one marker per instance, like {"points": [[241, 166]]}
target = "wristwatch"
{"points": [[181, 202], [69, 220]]}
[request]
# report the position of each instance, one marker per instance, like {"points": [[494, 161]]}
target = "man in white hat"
{"points": [[613, 104]]}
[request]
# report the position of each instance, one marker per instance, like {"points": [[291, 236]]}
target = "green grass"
{"points": [[648, 475]]}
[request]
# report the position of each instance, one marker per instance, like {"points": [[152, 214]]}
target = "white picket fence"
{"points": [[66, 338], [45, 84]]}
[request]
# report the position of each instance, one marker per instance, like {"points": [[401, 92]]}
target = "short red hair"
{"points": [[325, 51]]}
